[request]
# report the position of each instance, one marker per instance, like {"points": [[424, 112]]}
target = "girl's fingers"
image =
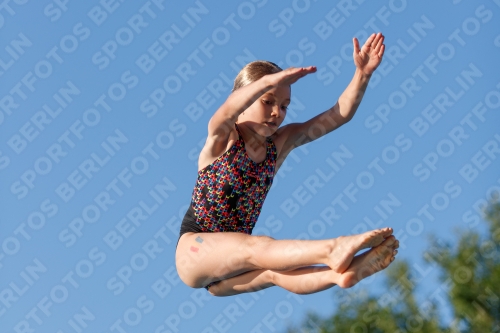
{"points": [[302, 71], [292, 74], [355, 43], [381, 52], [296, 71], [379, 43], [370, 39]]}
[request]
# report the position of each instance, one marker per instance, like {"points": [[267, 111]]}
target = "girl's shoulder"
{"points": [[215, 147]]}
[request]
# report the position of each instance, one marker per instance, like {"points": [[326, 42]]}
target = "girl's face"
{"points": [[267, 113]]}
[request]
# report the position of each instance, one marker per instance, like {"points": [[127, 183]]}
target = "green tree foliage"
{"points": [[469, 272]]}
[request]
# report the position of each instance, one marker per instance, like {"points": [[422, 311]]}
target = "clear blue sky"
{"points": [[104, 107]]}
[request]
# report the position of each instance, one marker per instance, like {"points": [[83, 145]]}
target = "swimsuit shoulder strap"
{"points": [[238, 130]]}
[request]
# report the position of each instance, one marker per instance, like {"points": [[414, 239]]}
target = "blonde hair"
{"points": [[254, 71]]}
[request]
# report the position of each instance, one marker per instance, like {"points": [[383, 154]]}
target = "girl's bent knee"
{"points": [[190, 282], [188, 277]]}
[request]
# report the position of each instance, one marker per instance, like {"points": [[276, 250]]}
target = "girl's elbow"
{"points": [[346, 118]]}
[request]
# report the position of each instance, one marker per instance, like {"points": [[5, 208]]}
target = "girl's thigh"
{"points": [[202, 258]]}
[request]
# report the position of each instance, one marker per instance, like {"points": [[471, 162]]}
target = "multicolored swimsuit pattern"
{"points": [[230, 192]]}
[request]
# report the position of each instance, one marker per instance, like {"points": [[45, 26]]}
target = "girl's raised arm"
{"points": [[222, 122], [366, 60]]}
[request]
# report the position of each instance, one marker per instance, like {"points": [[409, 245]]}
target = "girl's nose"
{"points": [[276, 111]]}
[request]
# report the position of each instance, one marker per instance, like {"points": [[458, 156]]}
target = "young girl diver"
{"points": [[245, 148]]}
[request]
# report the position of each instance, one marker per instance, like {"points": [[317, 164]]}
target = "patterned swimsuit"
{"points": [[230, 192]]}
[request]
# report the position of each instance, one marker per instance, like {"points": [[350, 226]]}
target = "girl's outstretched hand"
{"points": [[370, 55], [290, 75]]}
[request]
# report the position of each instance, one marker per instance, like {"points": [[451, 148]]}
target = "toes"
{"points": [[387, 252], [387, 232], [393, 257], [389, 241], [373, 238], [384, 232]]}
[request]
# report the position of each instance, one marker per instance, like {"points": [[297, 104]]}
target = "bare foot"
{"points": [[369, 263], [345, 247]]}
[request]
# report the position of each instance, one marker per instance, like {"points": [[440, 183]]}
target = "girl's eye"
{"points": [[284, 107], [267, 102]]}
